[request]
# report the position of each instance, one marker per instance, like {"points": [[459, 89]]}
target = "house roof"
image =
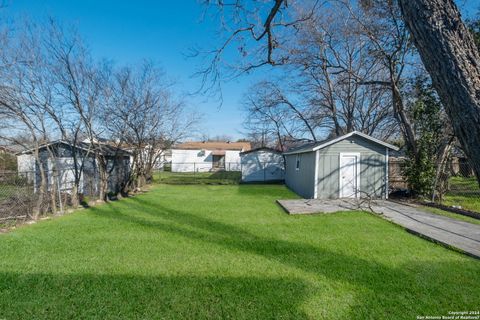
{"points": [[110, 150], [260, 149], [106, 149], [314, 146], [214, 145]]}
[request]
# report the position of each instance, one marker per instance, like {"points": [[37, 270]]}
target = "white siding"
{"points": [[201, 160], [232, 160], [262, 165], [25, 163], [191, 160], [26, 166]]}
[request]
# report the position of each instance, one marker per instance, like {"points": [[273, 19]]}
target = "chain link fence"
{"points": [[26, 195], [224, 173], [17, 197], [456, 187]]}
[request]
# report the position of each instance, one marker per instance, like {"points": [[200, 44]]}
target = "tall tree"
{"points": [[449, 54], [446, 47], [336, 61], [424, 170]]}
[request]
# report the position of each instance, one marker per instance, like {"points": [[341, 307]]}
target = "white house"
{"points": [[261, 165], [158, 156], [208, 156]]}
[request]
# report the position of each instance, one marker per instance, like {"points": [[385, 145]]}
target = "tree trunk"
{"points": [[401, 116], [42, 190], [441, 175], [450, 56], [53, 191], [75, 201], [103, 191]]}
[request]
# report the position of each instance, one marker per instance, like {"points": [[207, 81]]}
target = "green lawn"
{"points": [[463, 183], [226, 252], [469, 202], [463, 192], [451, 215], [219, 177]]}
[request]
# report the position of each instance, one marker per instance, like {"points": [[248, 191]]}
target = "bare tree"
{"points": [[253, 28], [325, 89], [56, 90], [217, 137], [76, 90], [23, 102], [52, 89], [145, 116], [272, 115], [334, 63], [438, 32]]}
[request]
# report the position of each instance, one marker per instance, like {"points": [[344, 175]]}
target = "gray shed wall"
{"points": [[372, 168], [63, 160], [301, 181]]}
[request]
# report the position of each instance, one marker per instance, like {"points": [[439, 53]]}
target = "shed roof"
{"points": [[105, 149], [7, 149], [214, 145], [314, 146], [260, 149]]}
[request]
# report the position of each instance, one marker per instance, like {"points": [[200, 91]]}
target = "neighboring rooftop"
{"points": [[214, 145]]}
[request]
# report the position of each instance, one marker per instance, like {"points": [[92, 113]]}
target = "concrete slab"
{"points": [[309, 206], [461, 235]]}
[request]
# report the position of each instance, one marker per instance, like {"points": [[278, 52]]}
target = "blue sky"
{"points": [[162, 31]]}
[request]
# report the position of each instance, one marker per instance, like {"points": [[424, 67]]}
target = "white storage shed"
{"points": [[262, 165]]}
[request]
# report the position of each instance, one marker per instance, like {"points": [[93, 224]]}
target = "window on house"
{"points": [[297, 162]]}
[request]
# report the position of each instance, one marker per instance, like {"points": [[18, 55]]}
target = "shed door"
{"points": [[348, 175]]}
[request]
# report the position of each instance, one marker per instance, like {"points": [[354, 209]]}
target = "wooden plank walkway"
{"points": [[454, 233]]}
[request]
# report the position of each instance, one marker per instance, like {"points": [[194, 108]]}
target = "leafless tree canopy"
{"points": [[265, 32], [338, 79], [52, 88], [256, 31], [145, 116]]}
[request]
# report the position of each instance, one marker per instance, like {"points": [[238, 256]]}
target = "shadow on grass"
{"points": [[230, 175], [29, 296], [274, 190], [212, 178], [403, 292]]}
